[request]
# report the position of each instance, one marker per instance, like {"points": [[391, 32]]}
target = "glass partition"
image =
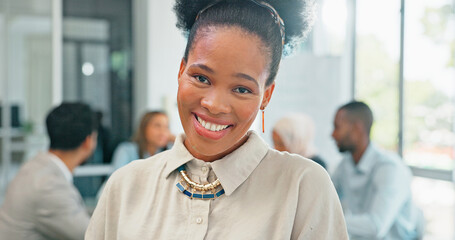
{"points": [[25, 81]]}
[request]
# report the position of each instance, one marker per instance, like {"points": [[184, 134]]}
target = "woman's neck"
{"points": [[215, 157]]}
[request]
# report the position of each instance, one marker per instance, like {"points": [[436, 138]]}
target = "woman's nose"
{"points": [[216, 102]]}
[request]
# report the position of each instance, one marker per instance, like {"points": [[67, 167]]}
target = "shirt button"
{"points": [[198, 220], [204, 169]]}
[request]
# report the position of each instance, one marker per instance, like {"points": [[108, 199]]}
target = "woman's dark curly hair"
{"points": [[296, 14]]}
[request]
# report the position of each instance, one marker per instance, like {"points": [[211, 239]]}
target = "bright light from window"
{"points": [[88, 69], [334, 16]]}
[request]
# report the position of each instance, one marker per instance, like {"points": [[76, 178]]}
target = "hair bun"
{"points": [[298, 15]]}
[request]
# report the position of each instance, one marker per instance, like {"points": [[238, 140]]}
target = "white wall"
{"points": [[159, 47], [311, 85]]}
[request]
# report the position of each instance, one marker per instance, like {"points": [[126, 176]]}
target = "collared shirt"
{"points": [[60, 165], [41, 204], [268, 195], [376, 196]]}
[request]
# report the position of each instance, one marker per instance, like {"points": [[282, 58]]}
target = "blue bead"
{"points": [[221, 192], [181, 168], [197, 195], [187, 193], [180, 187], [205, 196]]}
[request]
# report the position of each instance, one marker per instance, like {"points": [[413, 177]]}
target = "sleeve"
{"points": [[319, 214], [60, 213], [123, 155], [391, 192]]}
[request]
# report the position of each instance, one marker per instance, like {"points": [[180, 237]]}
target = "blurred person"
{"points": [[295, 134], [374, 185], [41, 202], [104, 147], [151, 137], [220, 180]]}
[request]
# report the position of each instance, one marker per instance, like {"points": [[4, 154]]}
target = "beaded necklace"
{"points": [[196, 190]]}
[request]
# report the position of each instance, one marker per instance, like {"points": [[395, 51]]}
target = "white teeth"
{"points": [[211, 126]]}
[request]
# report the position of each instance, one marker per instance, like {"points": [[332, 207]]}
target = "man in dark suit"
{"points": [[41, 202]]}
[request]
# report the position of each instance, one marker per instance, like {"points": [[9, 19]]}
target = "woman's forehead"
{"points": [[208, 34], [229, 48]]}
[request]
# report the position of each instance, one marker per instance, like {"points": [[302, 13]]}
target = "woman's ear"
{"points": [[267, 95], [182, 68]]}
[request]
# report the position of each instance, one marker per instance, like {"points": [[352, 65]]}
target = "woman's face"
{"points": [[221, 89], [157, 131]]}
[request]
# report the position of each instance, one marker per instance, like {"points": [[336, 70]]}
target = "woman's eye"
{"points": [[242, 90], [202, 79]]}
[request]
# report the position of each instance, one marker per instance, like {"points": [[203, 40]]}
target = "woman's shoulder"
{"points": [[294, 164]]}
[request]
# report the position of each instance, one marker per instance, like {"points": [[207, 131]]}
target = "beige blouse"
{"points": [[268, 195]]}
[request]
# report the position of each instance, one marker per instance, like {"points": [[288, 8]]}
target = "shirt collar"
{"points": [[233, 169], [367, 162], [66, 172]]}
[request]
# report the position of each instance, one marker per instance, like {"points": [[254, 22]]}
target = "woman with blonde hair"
{"points": [[151, 137], [295, 134]]}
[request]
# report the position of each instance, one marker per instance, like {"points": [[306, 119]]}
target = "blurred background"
{"points": [[122, 58]]}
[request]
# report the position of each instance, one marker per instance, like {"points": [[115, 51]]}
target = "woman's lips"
{"points": [[210, 129]]}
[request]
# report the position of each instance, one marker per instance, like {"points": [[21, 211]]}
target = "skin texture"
{"points": [[278, 142], [157, 131], [350, 135], [222, 82]]}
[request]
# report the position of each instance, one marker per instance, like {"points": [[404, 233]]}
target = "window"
{"points": [[425, 103], [377, 66], [429, 78]]}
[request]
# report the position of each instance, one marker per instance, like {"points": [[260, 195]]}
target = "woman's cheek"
{"points": [[248, 110]]}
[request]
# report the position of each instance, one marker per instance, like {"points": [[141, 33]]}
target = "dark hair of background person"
{"points": [[69, 124], [359, 111], [139, 136], [250, 17]]}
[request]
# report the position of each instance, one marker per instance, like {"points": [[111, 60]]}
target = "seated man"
{"points": [[41, 201], [374, 186]]}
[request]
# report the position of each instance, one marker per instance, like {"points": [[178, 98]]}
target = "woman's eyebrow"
{"points": [[247, 77], [205, 67]]}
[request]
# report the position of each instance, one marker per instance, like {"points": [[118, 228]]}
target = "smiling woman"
{"points": [[222, 85], [221, 181]]}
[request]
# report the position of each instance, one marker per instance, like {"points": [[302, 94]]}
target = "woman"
{"points": [[152, 136], [219, 180], [295, 134]]}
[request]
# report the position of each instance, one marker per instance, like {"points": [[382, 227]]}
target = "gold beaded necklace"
{"points": [[196, 190]]}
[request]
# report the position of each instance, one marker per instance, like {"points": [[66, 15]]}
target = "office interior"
{"points": [[122, 57]]}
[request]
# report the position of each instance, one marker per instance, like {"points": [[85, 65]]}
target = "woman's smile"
{"points": [[210, 127]]}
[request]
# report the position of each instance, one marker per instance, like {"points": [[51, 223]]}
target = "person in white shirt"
{"points": [[374, 185], [219, 180], [41, 202]]}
